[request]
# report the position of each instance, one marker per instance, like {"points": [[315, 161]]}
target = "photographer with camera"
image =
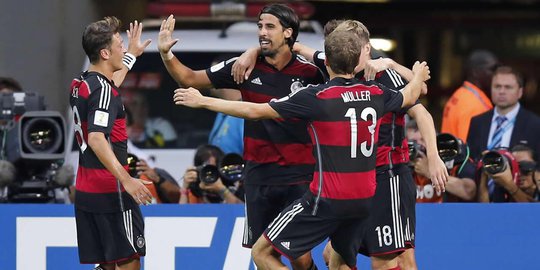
{"points": [[164, 188], [513, 175], [455, 154], [203, 183]]}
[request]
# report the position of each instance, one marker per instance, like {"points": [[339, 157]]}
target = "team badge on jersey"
{"points": [[140, 241], [296, 85], [101, 118]]}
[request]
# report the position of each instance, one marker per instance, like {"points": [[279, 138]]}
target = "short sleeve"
{"points": [[101, 111], [220, 74], [300, 104]]}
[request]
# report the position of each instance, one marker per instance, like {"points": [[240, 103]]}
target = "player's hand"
{"points": [[374, 66], [165, 40], [438, 174], [189, 97], [243, 66], [137, 189], [134, 33], [421, 71], [424, 90]]}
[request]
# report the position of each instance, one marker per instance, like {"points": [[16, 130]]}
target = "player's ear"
{"points": [[288, 32], [105, 54]]}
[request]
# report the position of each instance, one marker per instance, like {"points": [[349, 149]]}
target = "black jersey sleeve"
{"points": [[300, 104], [220, 74], [391, 79], [101, 111]]}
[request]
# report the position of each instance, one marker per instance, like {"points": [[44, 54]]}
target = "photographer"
{"points": [[460, 187], [195, 191], [515, 183], [164, 188]]}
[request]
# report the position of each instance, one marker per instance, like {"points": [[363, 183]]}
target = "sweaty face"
{"points": [[272, 35], [505, 91]]}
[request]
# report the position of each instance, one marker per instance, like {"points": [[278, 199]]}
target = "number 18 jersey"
{"points": [[344, 116]]}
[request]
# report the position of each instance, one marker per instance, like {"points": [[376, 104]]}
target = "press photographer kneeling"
{"points": [[508, 176], [215, 178], [455, 154]]}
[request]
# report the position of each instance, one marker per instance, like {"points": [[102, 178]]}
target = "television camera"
{"points": [[32, 150]]}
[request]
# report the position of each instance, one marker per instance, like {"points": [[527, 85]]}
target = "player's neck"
{"points": [[333, 75], [102, 69], [280, 59]]}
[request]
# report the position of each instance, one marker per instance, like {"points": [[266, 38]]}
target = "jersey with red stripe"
{"points": [[392, 147], [277, 151], [344, 118], [97, 107]]}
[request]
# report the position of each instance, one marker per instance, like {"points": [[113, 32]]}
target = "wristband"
{"points": [[129, 60], [168, 56]]}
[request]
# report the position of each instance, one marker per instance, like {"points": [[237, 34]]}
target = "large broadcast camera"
{"points": [[32, 149]]}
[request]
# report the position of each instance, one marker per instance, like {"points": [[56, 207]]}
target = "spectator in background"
{"points": [[470, 99], [509, 123], [145, 131], [193, 191], [516, 186], [462, 172], [9, 85]]}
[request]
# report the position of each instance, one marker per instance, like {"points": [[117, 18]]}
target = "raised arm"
{"points": [[135, 49], [412, 90], [182, 74], [191, 97], [437, 170]]}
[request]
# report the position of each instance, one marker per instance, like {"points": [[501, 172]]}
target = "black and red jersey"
{"points": [[345, 121], [392, 147], [277, 151], [97, 107]]}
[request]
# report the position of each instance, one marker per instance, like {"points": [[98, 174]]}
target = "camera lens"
{"points": [[232, 167], [448, 146], [494, 162], [132, 164], [208, 174]]}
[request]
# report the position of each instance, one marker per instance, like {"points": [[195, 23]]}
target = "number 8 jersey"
{"points": [[97, 107], [344, 116]]}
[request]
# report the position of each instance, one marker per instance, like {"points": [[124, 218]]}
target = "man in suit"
{"points": [[508, 123]]}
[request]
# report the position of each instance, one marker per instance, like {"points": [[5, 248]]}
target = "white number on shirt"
{"points": [[351, 113]]}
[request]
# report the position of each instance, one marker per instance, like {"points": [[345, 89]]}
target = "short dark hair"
{"points": [[205, 152], [287, 18], [10, 83], [98, 35], [331, 25], [509, 70], [342, 51], [523, 148]]}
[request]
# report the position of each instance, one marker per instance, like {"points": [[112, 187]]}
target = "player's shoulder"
{"points": [[304, 62], [390, 78], [95, 81]]}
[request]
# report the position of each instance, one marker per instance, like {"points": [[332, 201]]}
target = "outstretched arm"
{"points": [[437, 170], [135, 48], [191, 97], [182, 74]]}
